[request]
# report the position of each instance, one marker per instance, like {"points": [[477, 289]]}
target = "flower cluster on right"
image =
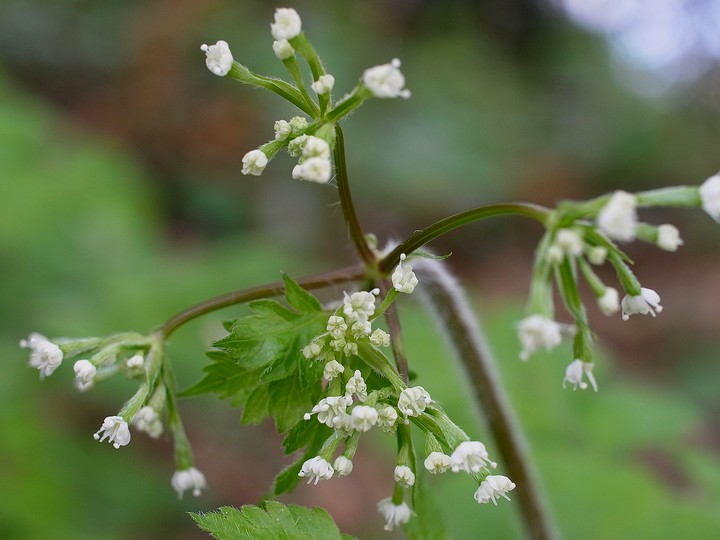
{"points": [[582, 235]]}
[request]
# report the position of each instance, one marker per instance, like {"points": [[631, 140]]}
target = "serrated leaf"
{"points": [[299, 298], [259, 365], [272, 521]]}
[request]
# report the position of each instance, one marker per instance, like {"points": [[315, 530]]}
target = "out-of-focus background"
{"points": [[122, 202]]}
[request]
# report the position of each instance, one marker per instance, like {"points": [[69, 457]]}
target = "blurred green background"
{"points": [[122, 202]]}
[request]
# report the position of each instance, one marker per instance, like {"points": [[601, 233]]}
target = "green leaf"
{"points": [[272, 521], [259, 365]]}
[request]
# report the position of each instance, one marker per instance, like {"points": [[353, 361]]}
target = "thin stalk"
{"points": [[393, 321], [422, 237], [447, 301], [348, 209], [314, 281]]}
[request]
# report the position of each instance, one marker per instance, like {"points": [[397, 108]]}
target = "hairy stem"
{"points": [[393, 321], [356, 234], [422, 237], [447, 301], [314, 281]]}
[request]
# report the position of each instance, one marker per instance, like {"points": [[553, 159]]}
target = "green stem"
{"points": [[315, 281], [439, 228], [356, 233], [393, 321]]}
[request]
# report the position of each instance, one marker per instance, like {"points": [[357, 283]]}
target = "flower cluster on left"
{"points": [[309, 138], [150, 410]]}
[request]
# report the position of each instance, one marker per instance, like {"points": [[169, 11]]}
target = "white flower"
{"points": [[116, 430], [710, 196], [387, 416], [394, 514], [361, 329], [359, 306], [311, 350], [282, 130], [555, 254], [148, 421], [329, 410], [470, 456], [135, 361], [254, 162], [570, 242], [492, 487], [669, 237], [597, 255], [404, 476], [332, 369], [363, 417], [437, 462], [218, 58], [403, 278], [287, 24], [648, 301], [350, 349], [336, 327], [324, 84], [338, 344], [618, 218], [315, 147], [609, 302], [85, 372], [536, 332], [386, 81], [298, 123], [295, 146], [343, 466], [45, 356], [187, 479], [380, 338], [282, 49], [316, 469], [356, 386], [413, 401], [314, 169], [574, 375]]}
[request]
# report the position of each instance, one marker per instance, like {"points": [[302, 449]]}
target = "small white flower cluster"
{"points": [[403, 278], [345, 328], [386, 81], [471, 457], [218, 58], [537, 332], [148, 421]]}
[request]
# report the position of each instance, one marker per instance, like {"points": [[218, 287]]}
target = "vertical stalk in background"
{"points": [[356, 234], [446, 301]]}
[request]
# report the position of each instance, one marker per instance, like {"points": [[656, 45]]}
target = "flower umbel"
{"points": [[116, 430]]}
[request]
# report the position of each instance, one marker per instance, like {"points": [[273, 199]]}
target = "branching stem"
{"points": [[314, 281]]}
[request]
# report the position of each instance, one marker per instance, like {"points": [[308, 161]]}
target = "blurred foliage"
{"points": [[127, 207]]}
